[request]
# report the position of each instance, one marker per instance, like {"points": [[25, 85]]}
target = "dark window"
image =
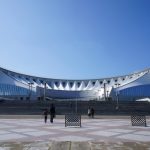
{"points": [[34, 80], [56, 83], [123, 79], [93, 83], [78, 84], [21, 98], [116, 80], [41, 81], [108, 81], [64, 83], [38, 98], [71, 84], [27, 98], [27, 78], [101, 82]]}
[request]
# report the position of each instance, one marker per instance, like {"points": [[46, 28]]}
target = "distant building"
{"points": [[19, 86]]}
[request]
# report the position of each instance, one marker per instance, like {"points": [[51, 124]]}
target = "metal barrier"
{"points": [[138, 120], [72, 120]]}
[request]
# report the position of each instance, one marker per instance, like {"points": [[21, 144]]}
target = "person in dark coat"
{"points": [[52, 113], [92, 112], [45, 115]]}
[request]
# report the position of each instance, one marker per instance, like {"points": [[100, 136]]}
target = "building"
{"points": [[19, 86]]}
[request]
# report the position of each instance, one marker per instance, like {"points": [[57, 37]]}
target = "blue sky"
{"points": [[75, 39]]}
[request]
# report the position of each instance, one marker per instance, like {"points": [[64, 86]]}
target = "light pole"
{"points": [[117, 95], [30, 89], [44, 90], [76, 106], [104, 91], [76, 103], [107, 94], [99, 94]]}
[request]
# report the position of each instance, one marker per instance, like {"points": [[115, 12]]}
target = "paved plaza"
{"points": [[92, 130]]}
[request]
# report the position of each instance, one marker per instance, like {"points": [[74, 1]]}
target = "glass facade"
{"points": [[12, 90], [135, 92]]}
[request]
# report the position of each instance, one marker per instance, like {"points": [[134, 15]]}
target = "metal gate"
{"points": [[138, 120], [72, 120]]}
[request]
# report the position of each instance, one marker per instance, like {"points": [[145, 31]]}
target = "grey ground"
{"points": [[101, 133]]}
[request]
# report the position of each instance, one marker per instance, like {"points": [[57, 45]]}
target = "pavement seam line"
{"points": [[70, 146], [90, 145], [50, 147]]}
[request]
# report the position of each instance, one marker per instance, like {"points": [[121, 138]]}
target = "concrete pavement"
{"points": [[94, 133]]}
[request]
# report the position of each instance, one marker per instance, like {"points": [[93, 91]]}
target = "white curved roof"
{"points": [[73, 85]]}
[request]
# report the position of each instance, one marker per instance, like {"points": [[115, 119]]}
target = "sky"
{"points": [[75, 39]]}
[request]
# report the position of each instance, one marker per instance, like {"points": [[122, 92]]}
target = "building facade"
{"points": [[19, 86]]}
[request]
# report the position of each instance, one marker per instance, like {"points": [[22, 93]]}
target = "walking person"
{"points": [[89, 112], [45, 115], [92, 112], [52, 113]]}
